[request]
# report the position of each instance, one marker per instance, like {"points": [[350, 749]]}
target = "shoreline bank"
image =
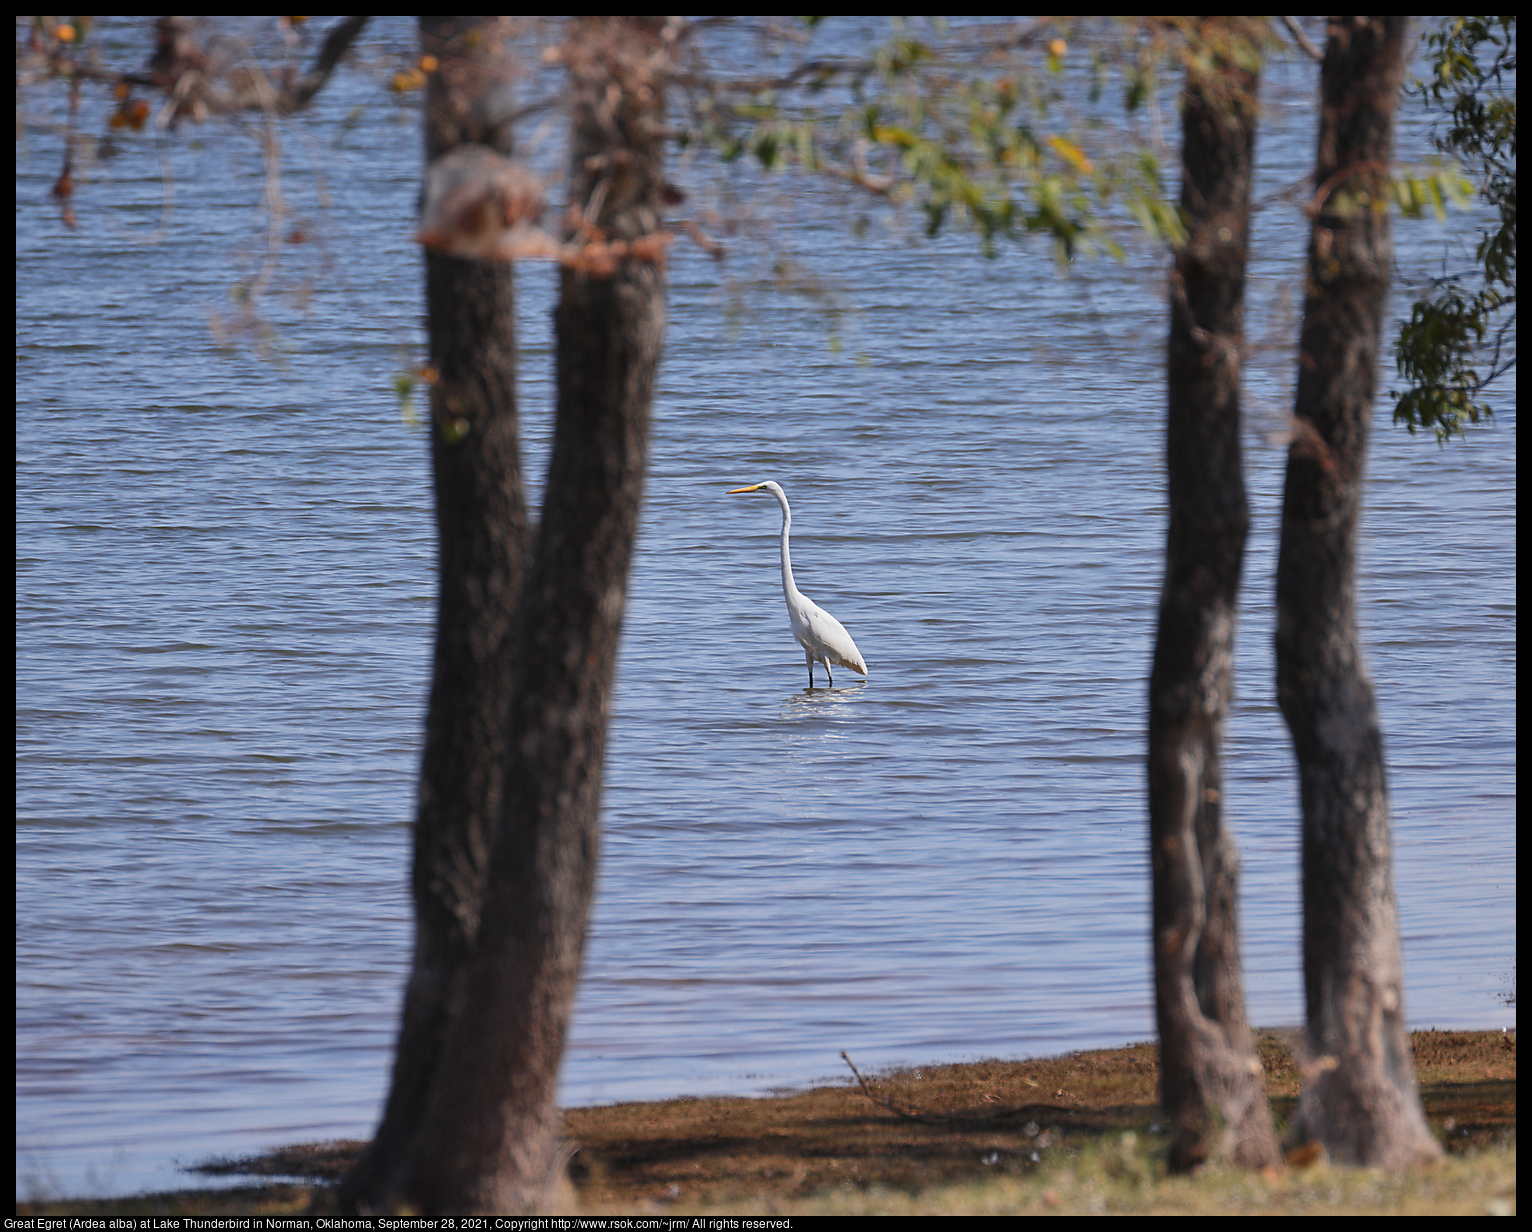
{"points": [[906, 1133]]}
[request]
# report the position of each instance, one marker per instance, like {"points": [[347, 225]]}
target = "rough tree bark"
{"points": [[489, 1138], [1211, 1082], [1359, 1096], [483, 541]]}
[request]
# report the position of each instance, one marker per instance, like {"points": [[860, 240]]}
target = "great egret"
{"points": [[820, 634]]}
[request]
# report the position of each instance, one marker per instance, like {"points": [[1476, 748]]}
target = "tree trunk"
{"points": [[1359, 1096], [489, 1141], [483, 544], [1211, 1083]]}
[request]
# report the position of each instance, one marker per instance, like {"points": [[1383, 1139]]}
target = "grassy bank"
{"points": [[1071, 1134]]}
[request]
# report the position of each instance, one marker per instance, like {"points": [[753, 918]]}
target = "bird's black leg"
{"points": [[827, 673]]}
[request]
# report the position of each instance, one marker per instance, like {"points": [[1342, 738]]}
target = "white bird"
{"points": [[820, 634]]}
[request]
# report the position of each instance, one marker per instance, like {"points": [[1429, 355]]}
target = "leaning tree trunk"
{"points": [[489, 1141], [1359, 1097], [1211, 1084], [483, 543]]}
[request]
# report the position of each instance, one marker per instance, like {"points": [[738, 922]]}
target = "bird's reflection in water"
{"points": [[821, 702]]}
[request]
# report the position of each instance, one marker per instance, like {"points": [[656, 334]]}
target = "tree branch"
{"points": [[929, 1118], [335, 46], [1302, 39]]}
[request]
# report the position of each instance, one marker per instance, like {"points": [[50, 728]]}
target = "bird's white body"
{"points": [[822, 637]]}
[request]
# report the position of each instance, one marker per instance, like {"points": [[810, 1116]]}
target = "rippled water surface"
{"points": [[224, 616]]}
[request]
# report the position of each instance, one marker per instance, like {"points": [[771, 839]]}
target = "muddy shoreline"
{"points": [[904, 1132]]}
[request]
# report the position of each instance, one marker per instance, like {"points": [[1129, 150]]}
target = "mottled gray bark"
{"points": [[489, 1139], [483, 541], [1211, 1084], [1359, 1096]]}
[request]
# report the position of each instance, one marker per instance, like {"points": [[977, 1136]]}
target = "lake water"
{"points": [[225, 600]]}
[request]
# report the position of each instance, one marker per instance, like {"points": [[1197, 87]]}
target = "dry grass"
{"points": [[1077, 1134]]}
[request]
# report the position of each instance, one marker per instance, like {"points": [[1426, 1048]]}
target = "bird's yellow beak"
{"points": [[754, 487]]}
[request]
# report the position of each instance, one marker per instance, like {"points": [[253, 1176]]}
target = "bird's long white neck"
{"points": [[789, 591]]}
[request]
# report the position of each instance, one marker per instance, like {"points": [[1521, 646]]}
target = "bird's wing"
{"points": [[829, 637]]}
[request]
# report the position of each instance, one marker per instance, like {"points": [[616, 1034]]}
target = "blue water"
{"points": [[225, 600]]}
